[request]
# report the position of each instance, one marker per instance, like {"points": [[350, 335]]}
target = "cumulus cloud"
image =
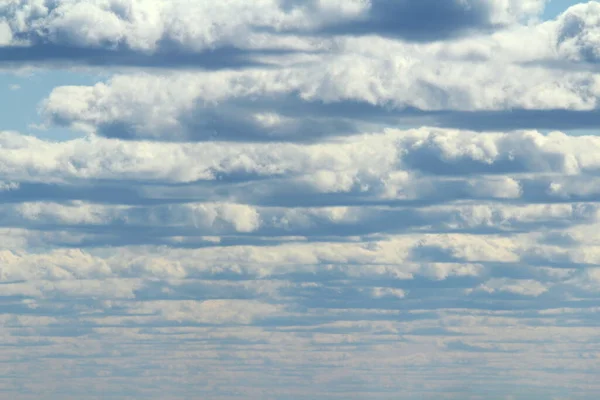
{"points": [[151, 26], [392, 186], [337, 96], [136, 33], [392, 157], [201, 35], [98, 191], [524, 287], [577, 32], [166, 34]]}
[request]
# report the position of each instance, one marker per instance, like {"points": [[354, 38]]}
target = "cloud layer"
{"points": [[303, 200]]}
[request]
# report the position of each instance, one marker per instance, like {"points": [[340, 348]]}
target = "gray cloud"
{"points": [[432, 20], [57, 56]]}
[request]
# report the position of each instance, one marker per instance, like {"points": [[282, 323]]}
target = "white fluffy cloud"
{"points": [[280, 104], [139, 25], [391, 157], [148, 25], [402, 195], [578, 32]]}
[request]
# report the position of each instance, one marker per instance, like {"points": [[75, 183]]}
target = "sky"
{"points": [[299, 199], [553, 8]]}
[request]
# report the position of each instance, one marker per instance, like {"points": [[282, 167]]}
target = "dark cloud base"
{"points": [[313, 122], [418, 21], [63, 56]]}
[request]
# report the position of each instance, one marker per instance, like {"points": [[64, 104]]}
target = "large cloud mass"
{"points": [[301, 200], [204, 34], [146, 25]]}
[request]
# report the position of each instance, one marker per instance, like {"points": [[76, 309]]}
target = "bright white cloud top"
{"points": [[302, 199]]}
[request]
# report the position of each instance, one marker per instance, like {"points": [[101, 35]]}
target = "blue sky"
{"points": [[23, 92], [555, 7], [293, 199]]}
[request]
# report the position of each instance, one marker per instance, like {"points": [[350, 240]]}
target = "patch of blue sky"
{"points": [[20, 92], [556, 7]]}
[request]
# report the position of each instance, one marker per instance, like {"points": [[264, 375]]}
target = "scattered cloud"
{"points": [[302, 199]]}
